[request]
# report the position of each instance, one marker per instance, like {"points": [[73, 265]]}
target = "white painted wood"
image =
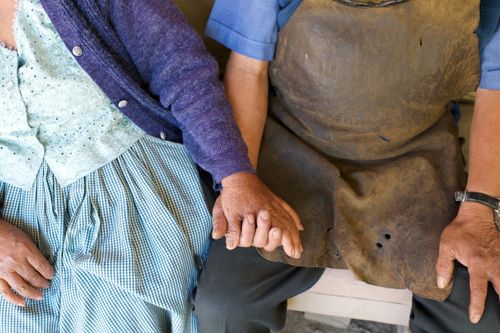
{"points": [[339, 294], [341, 282]]}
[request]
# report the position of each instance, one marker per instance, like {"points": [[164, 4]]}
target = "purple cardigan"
{"points": [[154, 67]]}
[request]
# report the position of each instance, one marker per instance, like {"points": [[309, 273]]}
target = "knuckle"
{"points": [[21, 287], [478, 289], [477, 261], [8, 261], [218, 224], [31, 276], [264, 223], [259, 244], [232, 233]]}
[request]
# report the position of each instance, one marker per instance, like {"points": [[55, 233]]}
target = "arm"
{"points": [[246, 81], [249, 29], [178, 70], [173, 62], [472, 238], [247, 88]]}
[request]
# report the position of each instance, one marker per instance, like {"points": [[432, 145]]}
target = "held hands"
{"points": [[249, 214], [472, 240], [23, 268]]}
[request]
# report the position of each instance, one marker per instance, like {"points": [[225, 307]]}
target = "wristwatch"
{"points": [[487, 200]]}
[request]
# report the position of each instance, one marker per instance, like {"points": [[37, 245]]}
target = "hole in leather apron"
{"points": [[387, 236], [379, 245]]}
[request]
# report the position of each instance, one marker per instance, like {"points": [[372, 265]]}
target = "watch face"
{"points": [[371, 3]]}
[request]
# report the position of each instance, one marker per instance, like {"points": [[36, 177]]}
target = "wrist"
{"points": [[469, 208], [238, 178]]}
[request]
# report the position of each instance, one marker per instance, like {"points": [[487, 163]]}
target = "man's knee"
{"points": [[219, 312]]}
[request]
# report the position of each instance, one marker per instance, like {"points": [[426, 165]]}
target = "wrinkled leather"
{"points": [[360, 141]]}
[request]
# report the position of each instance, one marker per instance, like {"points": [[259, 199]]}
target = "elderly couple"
{"points": [[108, 107]]}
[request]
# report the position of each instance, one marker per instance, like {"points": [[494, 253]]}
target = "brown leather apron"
{"points": [[361, 143]]}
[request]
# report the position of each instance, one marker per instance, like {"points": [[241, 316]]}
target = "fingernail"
{"points": [[264, 215], [23, 305], [276, 234], [39, 298], [475, 318], [230, 245], [441, 282]]}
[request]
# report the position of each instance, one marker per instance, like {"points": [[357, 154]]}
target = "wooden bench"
{"points": [[339, 294]]}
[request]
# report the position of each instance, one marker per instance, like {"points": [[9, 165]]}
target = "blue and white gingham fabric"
{"points": [[126, 242]]}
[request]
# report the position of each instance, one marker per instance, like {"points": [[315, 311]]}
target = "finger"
{"points": [[30, 275], [247, 231], [262, 233], [444, 267], [275, 239], [295, 217], [9, 295], [297, 244], [478, 291], [286, 241], [41, 265], [264, 217], [233, 233], [22, 287], [219, 221]]}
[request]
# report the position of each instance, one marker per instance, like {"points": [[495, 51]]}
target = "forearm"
{"points": [[247, 88], [181, 74], [484, 156]]}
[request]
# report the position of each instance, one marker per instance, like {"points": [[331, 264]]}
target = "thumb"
{"points": [[219, 221], [445, 266]]}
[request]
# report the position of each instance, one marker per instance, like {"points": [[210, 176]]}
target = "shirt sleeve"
{"points": [[249, 27], [489, 35]]}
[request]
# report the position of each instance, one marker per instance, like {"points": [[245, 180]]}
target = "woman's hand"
{"points": [[22, 267], [249, 214], [473, 240]]}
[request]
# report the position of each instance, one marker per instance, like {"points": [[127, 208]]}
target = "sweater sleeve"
{"points": [[179, 71]]}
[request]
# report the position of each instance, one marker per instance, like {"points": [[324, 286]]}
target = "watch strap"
{"points": [[481, 198], [478, 197]]}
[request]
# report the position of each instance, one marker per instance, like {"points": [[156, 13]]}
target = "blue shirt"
{"points": [[251, 28]]}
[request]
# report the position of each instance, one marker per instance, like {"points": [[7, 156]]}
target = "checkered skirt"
{"points": [[126, 241]]}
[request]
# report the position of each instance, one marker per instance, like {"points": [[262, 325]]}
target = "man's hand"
{"points": [[248, 214], [472, 240], [22, 267]]}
